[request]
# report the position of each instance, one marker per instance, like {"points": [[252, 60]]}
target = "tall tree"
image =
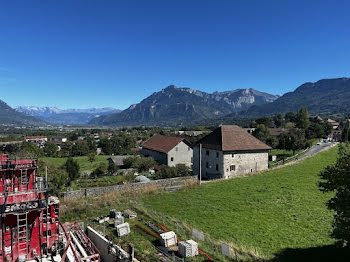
{"points": [[72, 168], [336, 178], [261, 132], [278, 120], [50, 149], [346, 132], [303, 119]]}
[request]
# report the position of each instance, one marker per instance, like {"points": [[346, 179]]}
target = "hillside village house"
{"points": [[334, 123], [229, 151], [168, 150]]}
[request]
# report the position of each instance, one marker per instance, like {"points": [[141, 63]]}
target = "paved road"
{"points": [[316, 149]]}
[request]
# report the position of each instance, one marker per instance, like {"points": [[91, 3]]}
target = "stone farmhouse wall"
{"points": [[219, 164], [244, 162]]}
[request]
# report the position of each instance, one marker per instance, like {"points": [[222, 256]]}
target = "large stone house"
{"points": [[229, 151], [168, 150]]}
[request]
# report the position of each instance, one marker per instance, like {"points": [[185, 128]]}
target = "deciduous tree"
{"points": [[336, 178]]}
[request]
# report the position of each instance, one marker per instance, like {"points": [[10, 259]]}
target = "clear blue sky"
{"points": [[80, 54]]}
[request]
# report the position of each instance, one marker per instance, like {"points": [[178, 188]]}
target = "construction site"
{"points": [[31, 229]]}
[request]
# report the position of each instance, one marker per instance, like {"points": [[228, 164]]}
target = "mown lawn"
{"points": [[271, 211], [83, 161]]}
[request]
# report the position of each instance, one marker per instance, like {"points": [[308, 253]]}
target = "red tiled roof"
{"points": [[162, 143], [35, 137], [232, 138]]}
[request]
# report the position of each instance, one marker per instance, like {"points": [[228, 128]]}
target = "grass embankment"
{"points": [[271, 211], [83, 161], [263, 214]]}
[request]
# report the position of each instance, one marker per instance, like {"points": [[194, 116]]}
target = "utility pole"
{"points": [[200, 164]]}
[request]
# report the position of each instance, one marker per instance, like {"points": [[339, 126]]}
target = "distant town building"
{"points": [[38, 140], [229, 151], [58, 140], [249, 130], [278, 130], [168, 150], [335, 135], [334, 123], [188, 133]]}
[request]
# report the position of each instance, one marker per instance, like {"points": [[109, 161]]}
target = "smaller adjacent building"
{"points": [[168, 150], [227, 152], [118, 161]]}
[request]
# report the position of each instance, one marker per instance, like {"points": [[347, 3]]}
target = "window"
{"points": [[171, 159], [176, 148], [233, 155], [217, 167], [251, 170], [188, 148], [217, 154], [233, 168], [207, 152], [207, 165]]}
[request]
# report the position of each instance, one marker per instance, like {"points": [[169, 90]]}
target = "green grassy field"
{"points": [[97, 182], [271, 211], [83, 161]]}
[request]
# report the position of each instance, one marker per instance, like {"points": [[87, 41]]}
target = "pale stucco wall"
{"points": [[181, 154]]}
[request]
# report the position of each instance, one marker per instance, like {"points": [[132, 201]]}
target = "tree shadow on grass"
{"points": [[319, 254]]}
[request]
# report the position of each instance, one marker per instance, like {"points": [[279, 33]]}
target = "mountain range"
{"points": [[9, 116], [179, 106], [54, 115], [326, 97], [182, 106]]}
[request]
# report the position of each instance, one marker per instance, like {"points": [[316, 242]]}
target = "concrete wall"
{"points": [[101, 243], [161, 158], [161, 183], [111, 254], [181, 154], [243, 162]]}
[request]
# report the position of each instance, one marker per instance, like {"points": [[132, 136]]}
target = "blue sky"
{"points": [[80, 54]]}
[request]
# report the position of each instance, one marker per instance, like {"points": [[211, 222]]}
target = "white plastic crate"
{"points": [[188, 248], [168, 239], [123, 229]]}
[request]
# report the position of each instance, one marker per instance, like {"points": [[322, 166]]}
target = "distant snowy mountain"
{"points": [[180, 106], [9, 116], [72, 116]]}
